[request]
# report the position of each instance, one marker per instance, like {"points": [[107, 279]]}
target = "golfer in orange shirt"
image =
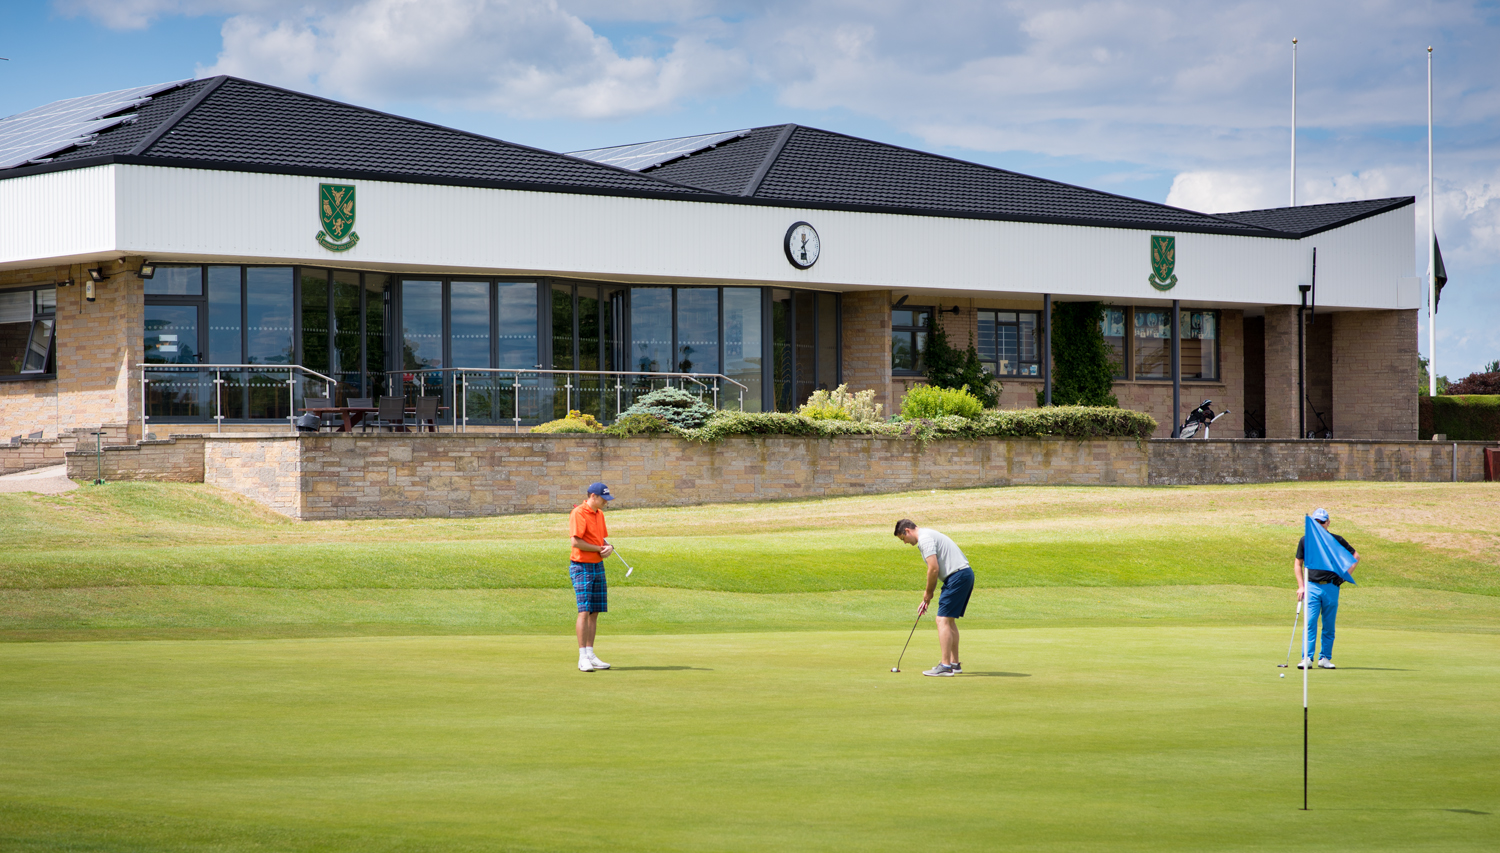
{"points": [[590, 547]]}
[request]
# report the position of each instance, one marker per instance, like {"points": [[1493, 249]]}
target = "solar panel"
{"points": [[34, 134], [644, 155]]}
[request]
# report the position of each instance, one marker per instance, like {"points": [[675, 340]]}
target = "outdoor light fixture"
{"points": [[954, 310], [88, 289], [96, 274], [148, 269]]}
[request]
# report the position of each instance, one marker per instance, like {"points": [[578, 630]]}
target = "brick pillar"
{"points": [[1281, 371], [1232, 374], [1375, 374], [867, 343], [99, 347]]}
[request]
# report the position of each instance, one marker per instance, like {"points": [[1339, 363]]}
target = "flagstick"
{"points": [[1307, 659], [1294, 123], [1431, 249]]}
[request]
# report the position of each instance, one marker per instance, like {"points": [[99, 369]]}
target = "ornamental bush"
{"points": [[1466, 417], [1082, 366], [639, 423], [576, 421], [1476, 383], [680, 408], [927, 401], [840, 405], [947, 366]]}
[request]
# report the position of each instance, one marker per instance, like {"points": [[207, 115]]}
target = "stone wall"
{"points": [[393, 476], [178, 459], [866, 327], [1218, 461], [266, 468], [28, 454], [1281, 371]]}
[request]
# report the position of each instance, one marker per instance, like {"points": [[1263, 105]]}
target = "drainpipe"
{"points": [[1176, 368], [1301, 366], [1046, 349]]}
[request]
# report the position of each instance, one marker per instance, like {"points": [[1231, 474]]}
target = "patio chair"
{"points": [[361, 403], [329, 421], [427, 410], [391, 414]]}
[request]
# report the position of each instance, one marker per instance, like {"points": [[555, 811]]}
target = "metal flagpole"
{"points": [[1431, 249], [1306, 665], [1294, 123]]}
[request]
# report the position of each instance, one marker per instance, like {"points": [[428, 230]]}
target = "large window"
{"points": [[909, 327], [28, 323], [1112, 326], [1009, 342], [1152, 351]]}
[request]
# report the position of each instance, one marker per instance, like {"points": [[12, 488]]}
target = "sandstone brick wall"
{"points": [[99, 345], [178, 459], [265, 468], [394, 476], [1375, 374], [41, 453], [1183, 463], [1281, 371], [867, 343]]}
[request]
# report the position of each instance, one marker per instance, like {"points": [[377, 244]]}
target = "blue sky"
{"points": [[1182, 102]]}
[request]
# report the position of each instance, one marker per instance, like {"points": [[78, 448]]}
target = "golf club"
{"points": [[1293, 640], [897, 667], [628, 569]]}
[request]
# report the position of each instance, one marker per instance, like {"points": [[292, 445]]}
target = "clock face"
{"points": [[802, 245]]}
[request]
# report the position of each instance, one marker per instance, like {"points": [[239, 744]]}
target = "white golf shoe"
{"points": [[1305, 664], [584, 664], [1325, 663], [598, 664]]}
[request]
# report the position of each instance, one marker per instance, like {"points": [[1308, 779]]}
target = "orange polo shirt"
{"points": [[588, 525]]}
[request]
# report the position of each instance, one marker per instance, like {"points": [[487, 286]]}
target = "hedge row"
{"points": [[1462, 417], [1077, 422]]}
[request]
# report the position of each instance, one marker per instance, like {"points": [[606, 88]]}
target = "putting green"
{"points": [[1058, 739]]}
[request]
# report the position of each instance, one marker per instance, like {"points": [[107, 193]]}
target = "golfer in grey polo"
{"points": [[946, 563]]}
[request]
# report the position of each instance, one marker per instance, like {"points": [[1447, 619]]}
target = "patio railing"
{"points": [[253, 391], [495, 395]]}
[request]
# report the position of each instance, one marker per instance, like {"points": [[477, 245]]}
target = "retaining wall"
{"points": [[1254, 460]]}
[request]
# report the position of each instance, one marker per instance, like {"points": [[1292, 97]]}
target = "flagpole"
{"points": [[1306, 665], [1294, 123], [1431, 249]]}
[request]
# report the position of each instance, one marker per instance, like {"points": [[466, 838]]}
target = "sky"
{"points": [[1186, 103]]}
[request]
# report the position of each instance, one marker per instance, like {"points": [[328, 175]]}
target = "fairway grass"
{"points": [[1146, 739], [181, 670]]}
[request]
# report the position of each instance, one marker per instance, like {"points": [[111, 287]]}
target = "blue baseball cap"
{"points": [[603, 491], [1320, 515]]}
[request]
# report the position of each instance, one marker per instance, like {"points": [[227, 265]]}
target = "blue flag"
{"points": [[1323, 552]]}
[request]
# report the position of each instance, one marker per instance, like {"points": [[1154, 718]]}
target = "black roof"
{"points": [[240, 125], [226, 122], [807, 166], [1306, 220]]}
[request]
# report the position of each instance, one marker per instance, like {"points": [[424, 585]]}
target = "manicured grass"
{"points": [[1060, 739], [194, 673]]}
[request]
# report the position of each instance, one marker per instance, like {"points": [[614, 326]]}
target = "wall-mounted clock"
{"points": [[801, 245]]}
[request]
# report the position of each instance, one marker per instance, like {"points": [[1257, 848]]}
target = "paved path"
{"points": [[52, 480]]}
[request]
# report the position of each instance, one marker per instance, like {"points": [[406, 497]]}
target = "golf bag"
{"points": [[1199, 419]]}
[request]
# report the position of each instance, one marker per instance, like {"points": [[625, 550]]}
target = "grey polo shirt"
{"points": [[934, 544]]}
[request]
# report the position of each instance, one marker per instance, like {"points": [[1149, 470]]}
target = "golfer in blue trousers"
{"points": [[1320, 589]]}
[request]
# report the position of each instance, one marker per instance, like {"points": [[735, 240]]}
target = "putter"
{"points": [[628, 569], [897, 667], [1293, 640]]}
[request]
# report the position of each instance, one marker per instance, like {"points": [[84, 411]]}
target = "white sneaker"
{"points": [[584, 664], [1325, 663], [598, 664], [1305, 664]]}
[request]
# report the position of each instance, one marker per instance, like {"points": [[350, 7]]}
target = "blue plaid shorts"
{"points": [[590, 587]]}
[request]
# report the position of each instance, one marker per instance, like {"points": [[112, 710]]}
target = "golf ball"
{"points": [[1283, 675]]}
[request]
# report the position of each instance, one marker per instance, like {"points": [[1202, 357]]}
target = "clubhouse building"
{"points": [[211, 254]]}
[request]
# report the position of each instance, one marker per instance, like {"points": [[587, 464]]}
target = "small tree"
{"points": [[948, 367], [1082, 364]]}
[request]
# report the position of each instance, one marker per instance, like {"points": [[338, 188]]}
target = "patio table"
{"points": [[353, 415]]}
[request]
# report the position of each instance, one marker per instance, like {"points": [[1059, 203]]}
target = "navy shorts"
{"points": [[590, 587], [954, 599]]}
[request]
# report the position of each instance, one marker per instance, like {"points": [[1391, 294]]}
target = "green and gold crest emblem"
{"points": [[1163, 261], [336, 211]]}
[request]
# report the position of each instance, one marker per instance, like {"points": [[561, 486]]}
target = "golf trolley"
{"points": [[1200, 419], [1326, 431], [1254, 426]]}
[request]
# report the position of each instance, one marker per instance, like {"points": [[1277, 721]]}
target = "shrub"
{"points": [[677, 407], [840, 405], [927, 401], [949, 367], [1467, 417], [638, 423], [1068, 422], [1082, 368], [576, 421], [1476, 383]]}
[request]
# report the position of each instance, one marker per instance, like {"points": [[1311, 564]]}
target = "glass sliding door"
{"points": [[421, 335], [828, 341], [377, 292], [588, 398], [742, 344], [781, 350], [226, 338], [697, 330], [613, 354], [806, 326], [172, 339], [268, 338], [345, 357]]}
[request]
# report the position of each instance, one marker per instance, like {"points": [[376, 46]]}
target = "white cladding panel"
{"points": [[247, 216], [57, 215]]}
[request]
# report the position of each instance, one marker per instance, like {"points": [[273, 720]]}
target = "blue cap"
{"points": [[603, 491], [1320, 515]]}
